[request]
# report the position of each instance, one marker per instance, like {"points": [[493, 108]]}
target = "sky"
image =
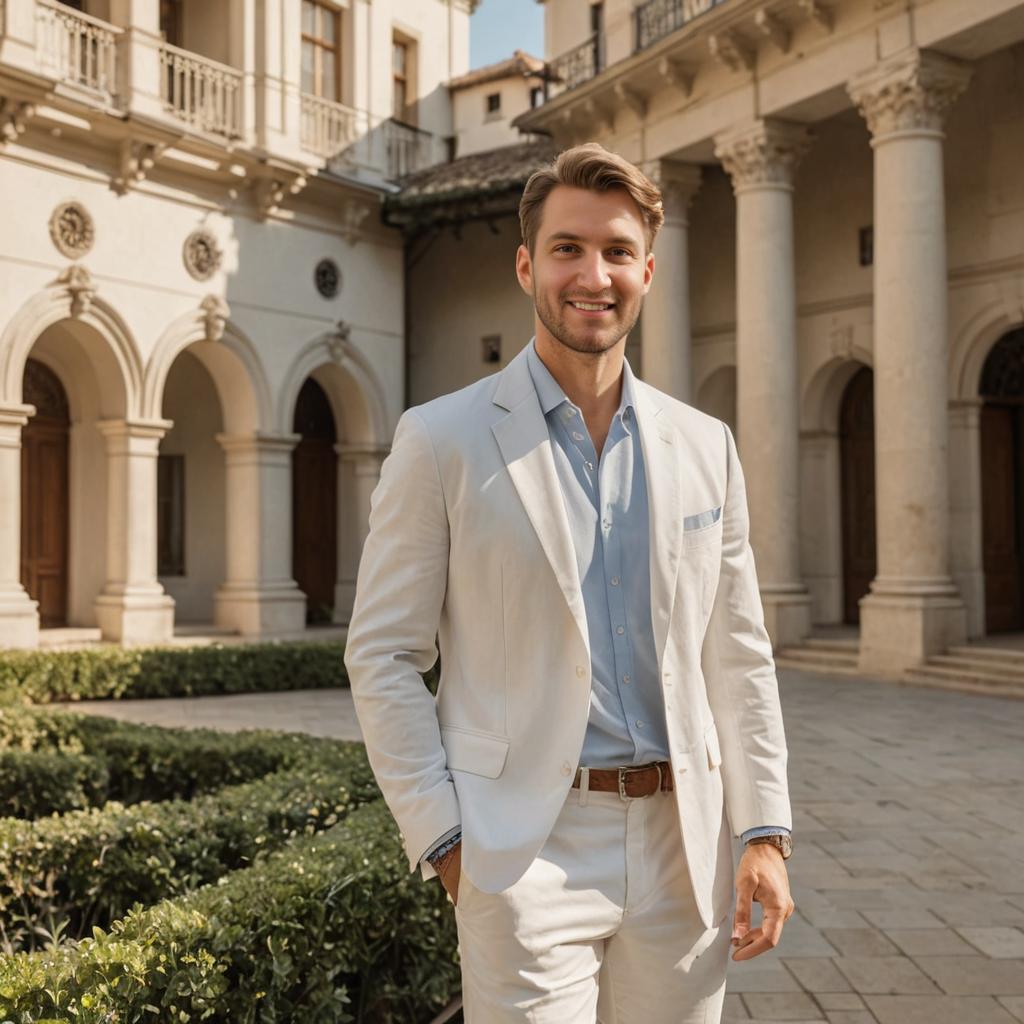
{"points": [[500, 26]]}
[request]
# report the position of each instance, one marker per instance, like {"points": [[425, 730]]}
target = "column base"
{"points": [[19, 618], [344, 601], [261, 609], [901, 630], [135, 617], [787, 614]]}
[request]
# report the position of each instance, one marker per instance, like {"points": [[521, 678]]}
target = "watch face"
{"points": [[786, 846]]}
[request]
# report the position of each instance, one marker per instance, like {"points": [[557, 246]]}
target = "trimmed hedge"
{"points": [[91, 760], [45, 676], [330, 929], [63, 874]]}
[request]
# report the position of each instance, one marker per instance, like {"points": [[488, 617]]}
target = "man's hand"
{"points": [[761, 876], [449, 870]]}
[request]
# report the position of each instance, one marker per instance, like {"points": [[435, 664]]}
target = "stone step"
{"points": [[839, 644], [839, 660], [968, 665], [998, 655], [966, 679]]}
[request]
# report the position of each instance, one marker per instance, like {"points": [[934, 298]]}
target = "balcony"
{"points": [[408, 148], [575, 66], [656, 19], [201, 92], [77, 49], [328, 128]]}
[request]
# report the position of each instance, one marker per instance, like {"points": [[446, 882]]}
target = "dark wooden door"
{"points": [[44, 495], [857, 460], [1001, 519], [315, 502]]}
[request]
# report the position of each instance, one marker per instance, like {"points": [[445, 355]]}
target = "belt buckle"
{"points": [[623, 795]]}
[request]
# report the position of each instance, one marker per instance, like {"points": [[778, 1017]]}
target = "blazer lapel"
{"points": [[663, 472], [525, 446]]}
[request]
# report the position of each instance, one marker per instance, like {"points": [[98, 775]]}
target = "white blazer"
{"points": [[469, 543]]}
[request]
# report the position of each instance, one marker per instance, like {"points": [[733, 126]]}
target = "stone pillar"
{"points": [[133, 608], [18, 34], [821, 513], [138, 56], [667, 355], [914, 609], [965, 507], [761, 157], [358, 475], [19, 614], [259, 598]]}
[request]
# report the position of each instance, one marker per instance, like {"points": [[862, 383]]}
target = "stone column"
{"points": [[761, 157], [259, 597], [667, 356], [914, 609], [821, 513], [133, 608], [138, 56], [966, 541], [358, 475], [19, 614]]}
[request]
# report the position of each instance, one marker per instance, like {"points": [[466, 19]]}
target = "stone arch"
{"points": [[973, 343], [715, 393], [102, 334], [227, 354], [823, 393], [353, 388]]}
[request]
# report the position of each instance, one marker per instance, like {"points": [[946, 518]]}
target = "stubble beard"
{"points": [[592, 343]]}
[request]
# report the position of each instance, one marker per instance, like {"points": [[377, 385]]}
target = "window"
{"points": [[321, 43], [170, 515], [494, 103], [400, 77], [170, 21], [536, 96]]}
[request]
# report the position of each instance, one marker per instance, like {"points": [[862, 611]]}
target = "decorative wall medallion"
{"points": [[72, 230], [201, 254], [328, 278]]}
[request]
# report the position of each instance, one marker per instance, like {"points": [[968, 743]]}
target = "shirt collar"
{"points": [[551, 395]]}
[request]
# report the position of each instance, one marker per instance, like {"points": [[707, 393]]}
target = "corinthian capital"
{"points": [[678, 182], [762, 152], [911, 90]]}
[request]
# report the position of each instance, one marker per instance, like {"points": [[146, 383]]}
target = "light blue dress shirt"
{"points": [[605, 497]]}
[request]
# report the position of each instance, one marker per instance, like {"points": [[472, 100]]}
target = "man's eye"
{"points": [[621, 252], [566, 246]]}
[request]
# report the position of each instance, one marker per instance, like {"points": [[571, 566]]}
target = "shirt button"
{"points": [[627, 678], [589, 465], [580, 671], [615, 581], [619, 630], [566, 769], [577, 436], [639, 724]]}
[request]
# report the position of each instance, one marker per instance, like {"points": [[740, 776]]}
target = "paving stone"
{"points": [[851, 1017], [888, 974], [903, 917], [839, 1001], [1015, 1004], [733, 1009], [998, 943], [829, 916], [759, 975], [974, 975], [860, 942], [937, 1010], [817, 974], [929, 942], [782, 1006]]}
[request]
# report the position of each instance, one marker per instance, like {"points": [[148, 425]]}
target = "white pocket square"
{"points": [[702, 519]]}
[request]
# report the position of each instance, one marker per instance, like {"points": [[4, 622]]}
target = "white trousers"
{"points": [[602, 927]]}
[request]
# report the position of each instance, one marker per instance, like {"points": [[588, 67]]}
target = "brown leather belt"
{"points": [[630, 783]]}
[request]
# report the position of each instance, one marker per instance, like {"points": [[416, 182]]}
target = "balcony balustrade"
{"points": [[575, 66], [328, 128], [201, 92], [656, 19], [77, 49]]}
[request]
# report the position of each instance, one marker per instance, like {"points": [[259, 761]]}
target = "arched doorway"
{"points": [[857, 486], [315, 502], [1002, 483], [44, 494]]}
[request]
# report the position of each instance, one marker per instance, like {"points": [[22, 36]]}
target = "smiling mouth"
{"points": [[591, 307]]}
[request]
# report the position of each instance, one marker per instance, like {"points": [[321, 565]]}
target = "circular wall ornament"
{"points": [[328, 278], [71, 229], [201, 254]]}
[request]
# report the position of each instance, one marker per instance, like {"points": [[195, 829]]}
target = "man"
{"points": [[608, 714]]}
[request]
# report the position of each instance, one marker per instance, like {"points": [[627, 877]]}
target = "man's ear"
{"points": [[648, 272], [524, 269]]}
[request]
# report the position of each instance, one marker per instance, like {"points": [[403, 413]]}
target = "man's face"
{"points": [[589, 252]]}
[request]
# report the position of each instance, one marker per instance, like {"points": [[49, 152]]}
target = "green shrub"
{"points": [[63, 874], [36, 782], [329, 929], [45, 676], [138, 762]]}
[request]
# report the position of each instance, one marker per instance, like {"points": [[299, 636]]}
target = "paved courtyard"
{"points": [[909, 870]]}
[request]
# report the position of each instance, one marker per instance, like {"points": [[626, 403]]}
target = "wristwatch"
{"points": [[782, 843]]}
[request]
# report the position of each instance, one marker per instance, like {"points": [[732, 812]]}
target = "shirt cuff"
{"points": [[440, 842], [764, 830]]}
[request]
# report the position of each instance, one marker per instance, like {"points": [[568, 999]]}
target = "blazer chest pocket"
{"points": [[479, 753], [702, 528]]}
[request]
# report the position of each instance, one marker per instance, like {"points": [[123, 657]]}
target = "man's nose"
{"points": [[594, 276]]}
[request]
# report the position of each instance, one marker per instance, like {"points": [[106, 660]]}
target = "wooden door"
{"points": [[1001, 519], [857, 461], [44, 495], [315, 502]]}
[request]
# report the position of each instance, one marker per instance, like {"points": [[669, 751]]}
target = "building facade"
{"points": [[201, 313], [840, 277]]}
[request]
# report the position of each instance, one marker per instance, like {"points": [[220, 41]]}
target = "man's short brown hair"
{"points": [[593, 167]]}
